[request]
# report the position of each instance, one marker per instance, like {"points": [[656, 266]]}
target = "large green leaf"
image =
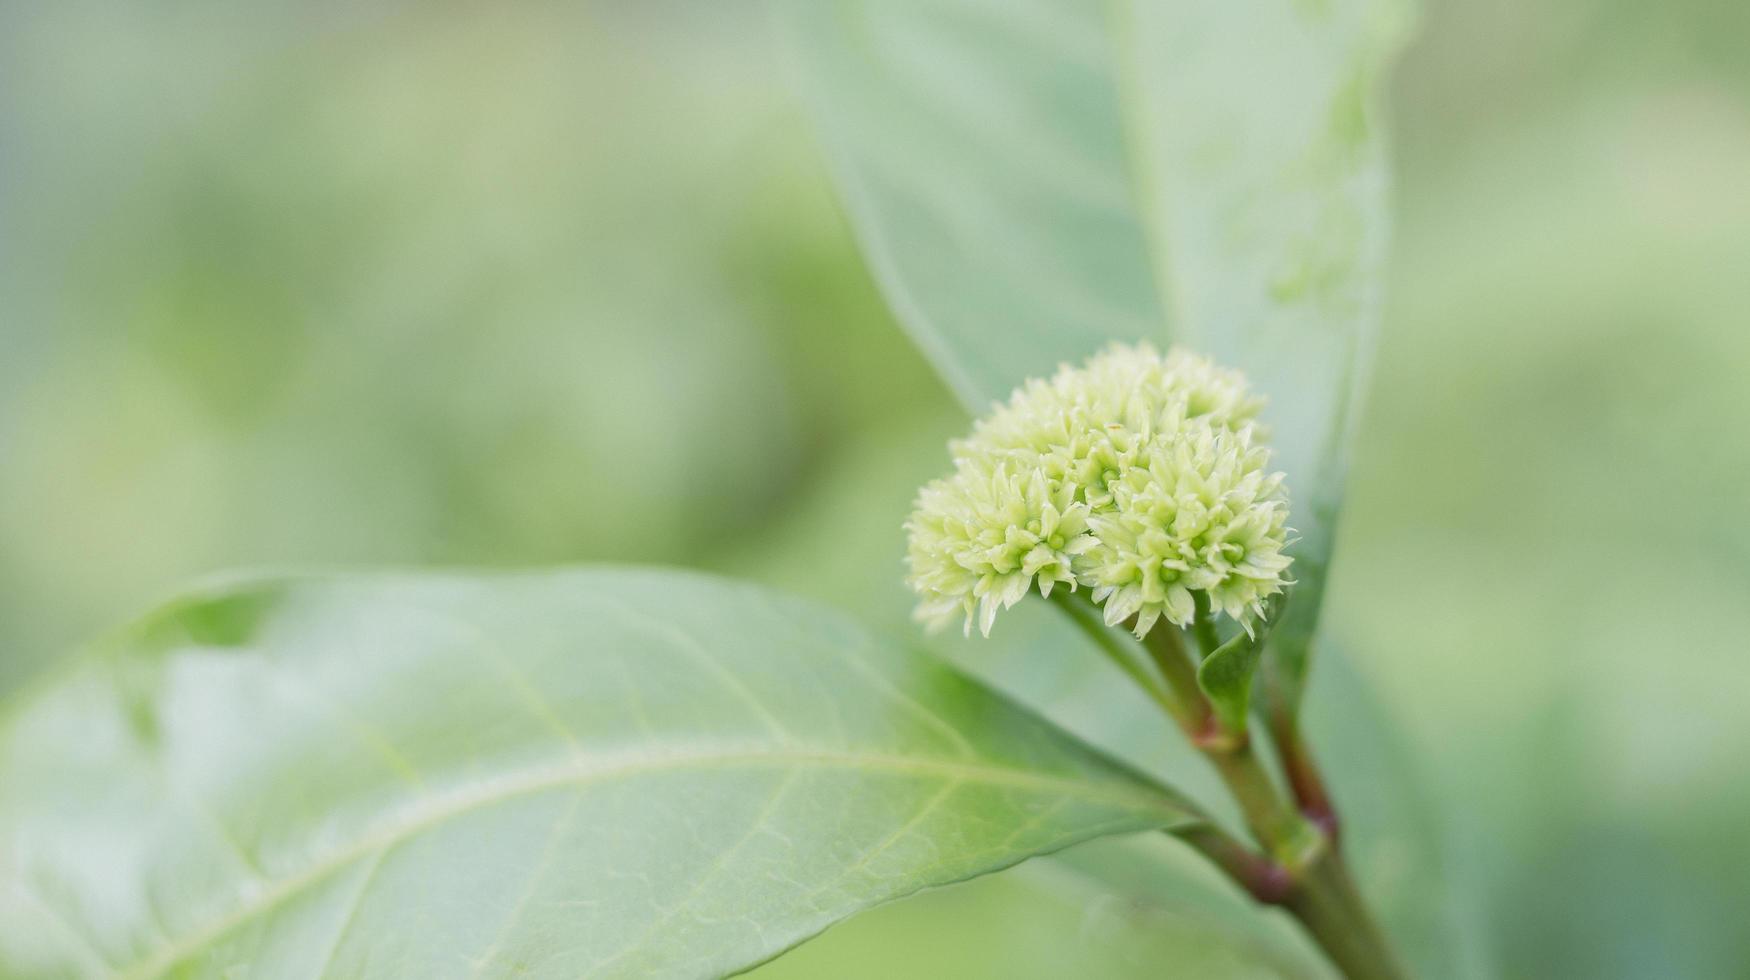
{"points": [[1138, 907], [1033, 178], [585, 773]]}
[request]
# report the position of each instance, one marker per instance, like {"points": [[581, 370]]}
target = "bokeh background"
{"points": [[524, 283]]}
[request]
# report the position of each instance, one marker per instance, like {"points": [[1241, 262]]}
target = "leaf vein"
{"points": [[441, 806]]}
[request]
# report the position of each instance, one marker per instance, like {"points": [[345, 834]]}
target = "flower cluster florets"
{"points": [[1143, 478]]}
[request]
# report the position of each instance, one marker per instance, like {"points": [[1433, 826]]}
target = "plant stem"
{"points": [[1287, 837], [1273, 822], [1327, 904], [1262, 878], [1319, 894], [1203, 627], [1304, 778], [1300, 868], [1167, 649]]}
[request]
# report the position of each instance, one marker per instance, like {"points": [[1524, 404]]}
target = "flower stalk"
{"points": [[1277, 826]]}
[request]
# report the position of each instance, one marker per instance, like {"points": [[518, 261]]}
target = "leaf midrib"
{"points": [[582, 772]]}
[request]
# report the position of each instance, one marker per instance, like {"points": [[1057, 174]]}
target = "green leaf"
{"points": [[595, 772], [1138, 907], [1033, 178], [1226, 677]]}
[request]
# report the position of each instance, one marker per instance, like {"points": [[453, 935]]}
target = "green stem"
{"points": [[1086, 615], [1203, 627], [1273, 822], [1167, 648], [1288, 837], [1262, 878], [1328, 905], [1300, 868], [1319, 894]]}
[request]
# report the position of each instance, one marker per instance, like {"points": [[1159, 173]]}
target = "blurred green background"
{"points": [[524, 283]]}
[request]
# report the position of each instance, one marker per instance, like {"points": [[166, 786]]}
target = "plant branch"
{"points": [[1299, 868], [1320, 895], [1274, 823], [1327, 903], [1264, 879], [1304, 778]]}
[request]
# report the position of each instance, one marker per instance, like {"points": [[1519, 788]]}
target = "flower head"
{"points": [[1199, 514], [1142, 476], [1084, 426], [981, 537]]}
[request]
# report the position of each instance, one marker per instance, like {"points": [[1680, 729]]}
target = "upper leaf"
{"points": [[584, 773], [1033, 178]]}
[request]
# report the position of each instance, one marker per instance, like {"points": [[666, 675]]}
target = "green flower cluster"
{"points": [[1144, 478]]}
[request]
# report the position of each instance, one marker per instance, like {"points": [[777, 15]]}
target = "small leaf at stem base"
{"points": [[1226, 679]]}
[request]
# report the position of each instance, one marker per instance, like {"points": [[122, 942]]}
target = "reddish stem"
{"points": [[1304, 778]]}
